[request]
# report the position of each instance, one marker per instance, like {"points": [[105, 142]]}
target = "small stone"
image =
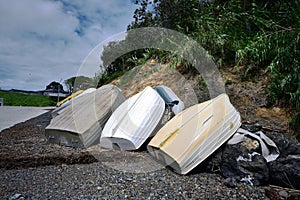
{"points": [[229, 182], [283, 193], [254, 127], [276, 109], [64, 166], [15, 196], [90, 182]]}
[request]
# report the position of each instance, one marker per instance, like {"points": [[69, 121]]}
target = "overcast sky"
{"points": [[47, 40]]}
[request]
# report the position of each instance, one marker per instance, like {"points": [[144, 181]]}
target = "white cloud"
{"points": [[47, 40]]}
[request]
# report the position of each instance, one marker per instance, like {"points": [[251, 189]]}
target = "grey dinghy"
{"points": [[134, 121], [171, 100], [194, 134], [59, 109], [80, 123]]}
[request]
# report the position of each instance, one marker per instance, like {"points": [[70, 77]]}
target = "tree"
{"points": [[260, 33], [70, 84], [79, 83], [54, 87], [180, 15], [115, 56], [143, 16]]}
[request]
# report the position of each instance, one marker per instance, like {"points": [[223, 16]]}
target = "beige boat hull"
{"points": [[194, 134]]}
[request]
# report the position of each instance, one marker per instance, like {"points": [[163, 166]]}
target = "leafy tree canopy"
{"points": [[79, 83], [55, 87], [260, 33]]}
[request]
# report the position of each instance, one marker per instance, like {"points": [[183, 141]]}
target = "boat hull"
{"points": [[170, 98], [134, 121], [194, 134], [80, 124]]}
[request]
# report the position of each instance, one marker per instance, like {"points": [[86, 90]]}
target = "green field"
{"points": [[19, 99]]}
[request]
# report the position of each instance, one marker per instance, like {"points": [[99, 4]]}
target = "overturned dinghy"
{"points": [[80, 124], [194, 134], [68, 101], [134, 121], [172, 101]]}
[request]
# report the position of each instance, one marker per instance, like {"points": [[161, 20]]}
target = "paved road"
{"points": [[11, 115]]}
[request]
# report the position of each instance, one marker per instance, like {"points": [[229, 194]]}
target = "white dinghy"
{"points": [[134, 121], [80, 123], [194, 134]]}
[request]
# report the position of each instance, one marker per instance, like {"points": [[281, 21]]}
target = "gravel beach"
{"points": [[32, 169], [97, 181]]}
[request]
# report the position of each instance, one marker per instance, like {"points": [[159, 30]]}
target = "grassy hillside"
{"points": [[18, 99]]}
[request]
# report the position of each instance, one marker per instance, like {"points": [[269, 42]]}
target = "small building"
{"points": [[55, 94]]}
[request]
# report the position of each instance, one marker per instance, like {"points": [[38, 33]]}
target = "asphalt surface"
{"points": [[11, 115]]}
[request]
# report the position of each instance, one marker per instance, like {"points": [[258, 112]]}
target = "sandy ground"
{"points": [[11, 115]]}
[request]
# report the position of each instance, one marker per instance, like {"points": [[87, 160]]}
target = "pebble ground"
{"points": [[98, 181]]}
